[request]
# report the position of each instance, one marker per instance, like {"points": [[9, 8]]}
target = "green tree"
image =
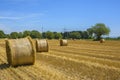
{"points": [[100, 29], [43, 35], [57, 35], [90, 32], [118, 37], [81, 34], [20, 35], [14, 35], [26, 33], [35, 34], [85, 35], [2, 34], [7, 35], [66, 35], [75, 35], [49, 35]]}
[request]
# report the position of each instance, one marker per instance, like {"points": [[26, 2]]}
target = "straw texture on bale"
{"points": [[102, 40], [20, 51], [42, 45], [63, 42]]}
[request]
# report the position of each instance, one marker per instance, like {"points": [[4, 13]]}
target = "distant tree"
{"points": [[66, 35], [118, 37], [75, 35], [2, 34], [90, 32], [57, 35], [7, 35], [85, 35], [14, 35], [35, 34], [49, 35], [26, 33], [81, 34], [20, 35], [100, 29], [44, 35]]}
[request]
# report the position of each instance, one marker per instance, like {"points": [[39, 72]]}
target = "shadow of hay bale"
{"points": [[23, 65], [4, 66]]}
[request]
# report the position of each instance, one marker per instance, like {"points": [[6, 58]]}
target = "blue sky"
{"points": [[55, 15]]}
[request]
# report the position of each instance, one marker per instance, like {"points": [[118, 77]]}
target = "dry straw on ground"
{"points": [[20, 51], [63, 42], [42, 45], [102, 40]]}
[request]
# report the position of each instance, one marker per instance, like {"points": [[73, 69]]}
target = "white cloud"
{"points": [[24, 16], [33, 15], [13, 18], [18, 22], [5, 28]]}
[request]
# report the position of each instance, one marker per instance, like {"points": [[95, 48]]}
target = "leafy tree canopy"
{"points": [[26, 33], [100, 29], [75, 35], [14, 35], [57, 35], [2, 34], [49, 35], [35, 34]]}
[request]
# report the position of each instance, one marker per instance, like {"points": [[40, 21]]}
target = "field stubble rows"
{"points": [[80, 60]]}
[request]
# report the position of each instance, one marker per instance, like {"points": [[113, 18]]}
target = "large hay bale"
{"points": [[102, 40], [20, 51], [63, 42], [42, 45]]}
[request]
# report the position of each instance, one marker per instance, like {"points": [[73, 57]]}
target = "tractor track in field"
{"points": [[80, 60], [91, 50], [29, 73], [79, 68], [74, 52], [9, 72], [88, 58]]}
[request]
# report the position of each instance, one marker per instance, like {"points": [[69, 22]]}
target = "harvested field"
{"points": [[81, 60]]}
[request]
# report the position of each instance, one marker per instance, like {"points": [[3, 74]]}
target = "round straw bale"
{"points": [[42, 45], [63, 42], [102, 40], [20, 51]]}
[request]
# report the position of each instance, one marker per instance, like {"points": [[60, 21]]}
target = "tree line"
{"points": [[47, 34], [94, 32]]}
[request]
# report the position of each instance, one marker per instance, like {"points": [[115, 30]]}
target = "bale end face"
{"points": [[42, 45], [20, 52], [63, 42]]}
